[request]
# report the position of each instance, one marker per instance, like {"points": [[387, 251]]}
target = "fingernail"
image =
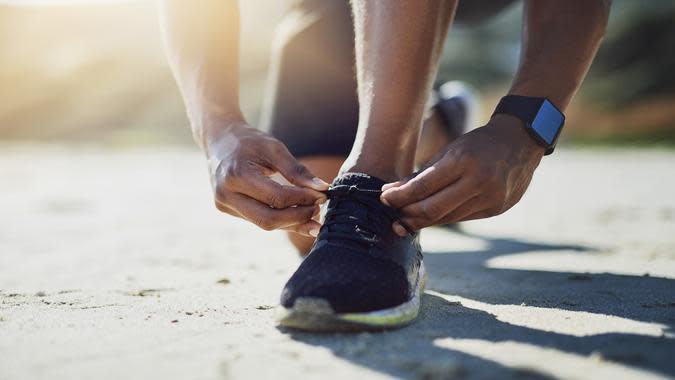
{"points": [[320, 201], [384, 200], [388, 186], [398, 228], [314, 232], [319, 183]]}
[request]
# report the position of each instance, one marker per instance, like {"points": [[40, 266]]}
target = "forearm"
{"points": [[559, 42], [202, 45]]}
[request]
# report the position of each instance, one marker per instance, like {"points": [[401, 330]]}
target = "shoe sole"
{"points": [[316, 314]]}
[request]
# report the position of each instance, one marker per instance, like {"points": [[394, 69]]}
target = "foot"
{"points": [[359, 274], [457, 106]]}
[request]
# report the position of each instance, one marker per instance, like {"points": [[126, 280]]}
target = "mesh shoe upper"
{"points": [[358, 264]]}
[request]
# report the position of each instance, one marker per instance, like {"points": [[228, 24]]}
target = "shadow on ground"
{"points": [[412, 353]]}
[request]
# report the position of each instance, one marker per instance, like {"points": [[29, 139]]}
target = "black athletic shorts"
{"points": [[311, 103]]}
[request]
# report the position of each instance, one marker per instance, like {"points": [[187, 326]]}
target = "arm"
{"points": [[202, 44], [487, 171], [560, 39]]}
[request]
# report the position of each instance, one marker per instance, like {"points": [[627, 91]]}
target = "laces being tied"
{"points": [[357, 214]]}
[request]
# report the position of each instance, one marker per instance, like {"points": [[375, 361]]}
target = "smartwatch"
{"points": [[542, 120]]}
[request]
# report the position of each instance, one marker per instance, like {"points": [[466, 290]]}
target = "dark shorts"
{"points": [[311, 103]]}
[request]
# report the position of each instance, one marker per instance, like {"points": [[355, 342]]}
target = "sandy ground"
{"points": [[115, 265]]}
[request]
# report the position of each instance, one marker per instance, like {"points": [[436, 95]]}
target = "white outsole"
{"points": [[316, 314]]}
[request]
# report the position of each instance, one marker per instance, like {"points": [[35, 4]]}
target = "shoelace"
{"points": [[364, 228]]}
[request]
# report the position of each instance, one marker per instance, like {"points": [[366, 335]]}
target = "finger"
{"points": [[480, 208], [426, 183], [267, 191], [222, 207], [388, 186], [295, 172], [441, 203], [432, 210], [310, 228], [268, 218], [398, 183], [478, 215]]}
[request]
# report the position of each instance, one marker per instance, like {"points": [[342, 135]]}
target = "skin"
{"points": [[433, 138], [203, 53], [481, 174], [397, 51], [486, 172]]}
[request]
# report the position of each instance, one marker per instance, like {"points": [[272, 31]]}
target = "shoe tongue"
{"points": [[358, 210], [360, 180]]}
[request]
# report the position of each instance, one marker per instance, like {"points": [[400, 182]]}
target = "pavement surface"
{"points": [[115, 264]]}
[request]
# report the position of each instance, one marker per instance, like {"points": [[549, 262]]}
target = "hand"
{"points": [[479, 175], [241, 160]]}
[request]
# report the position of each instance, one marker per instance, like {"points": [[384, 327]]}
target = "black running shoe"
{"points": [[359, 275], [458, 105]]}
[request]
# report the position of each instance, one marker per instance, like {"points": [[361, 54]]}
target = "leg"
{"points": [[397, 51], [312, 105], [439, 130]]}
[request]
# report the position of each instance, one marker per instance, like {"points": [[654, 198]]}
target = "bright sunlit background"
{"points": [[94, 72]]}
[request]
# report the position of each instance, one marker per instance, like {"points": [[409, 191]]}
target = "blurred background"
{"points": [[93, 72], [115, 264]]}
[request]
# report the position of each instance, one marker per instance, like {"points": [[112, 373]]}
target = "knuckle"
{"points": [[264, 223], [420, 188], [275, 200], [300, 169], [429, 211], [219, 205]]}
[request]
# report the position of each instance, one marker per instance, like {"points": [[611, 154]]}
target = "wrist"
{"points": [[513, 131], [212, 128]]}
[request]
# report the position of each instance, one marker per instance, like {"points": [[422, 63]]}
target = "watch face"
{"points": [[548, 122]]}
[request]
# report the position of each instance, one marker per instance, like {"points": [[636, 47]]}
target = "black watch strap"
{"points": [[522, 107], [542, 120]]}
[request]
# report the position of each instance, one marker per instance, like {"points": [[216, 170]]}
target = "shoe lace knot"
{"points": [[356, 215]]}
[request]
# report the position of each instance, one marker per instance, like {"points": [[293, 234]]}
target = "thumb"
{"points": [[391, 185], [296, 173]]}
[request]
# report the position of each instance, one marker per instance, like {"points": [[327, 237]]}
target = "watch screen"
{"points": [[548, 122]]}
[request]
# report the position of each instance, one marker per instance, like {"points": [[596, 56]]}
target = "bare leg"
{"points": [[434, 133], [434, 137], [397, 51]]}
